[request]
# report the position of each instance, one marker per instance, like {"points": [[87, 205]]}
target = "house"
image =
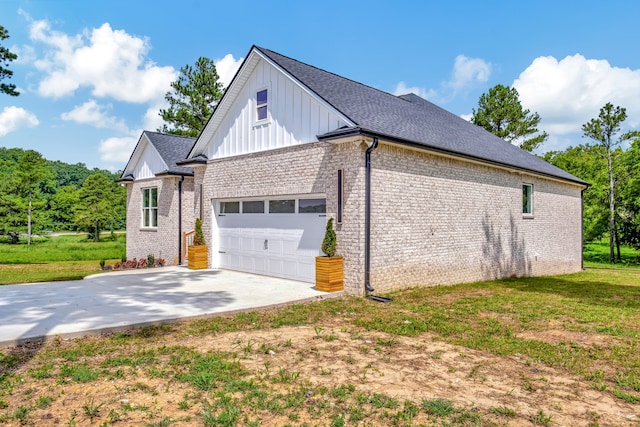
{"points": [[419, 195], [159, 197]]}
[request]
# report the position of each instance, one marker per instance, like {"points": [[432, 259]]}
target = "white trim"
{"points": [[257, 121]]}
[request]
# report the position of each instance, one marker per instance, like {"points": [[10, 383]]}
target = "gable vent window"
{"points": [[150, 207], [261, 104], [527, 199]]}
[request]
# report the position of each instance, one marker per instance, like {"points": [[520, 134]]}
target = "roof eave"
{"points": [[200, 160], [173, 173], [352, 131]]}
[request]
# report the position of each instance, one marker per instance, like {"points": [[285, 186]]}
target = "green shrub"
{"points": [[198, 239], [329, 241]]}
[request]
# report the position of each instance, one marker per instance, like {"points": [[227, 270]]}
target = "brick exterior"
{"points": [[162, 241], [435, 220]]}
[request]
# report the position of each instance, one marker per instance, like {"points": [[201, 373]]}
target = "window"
{"points": [[340, 185], [527, 199], [253, 206], [282, 206], [312, 206], [150, 207], [261, 105], [229, 207]]}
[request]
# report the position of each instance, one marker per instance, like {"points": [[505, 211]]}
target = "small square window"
{"points": [[261, 103], [253, 206], [282, 206], [229, 207], [312, 206], [527, 199]]}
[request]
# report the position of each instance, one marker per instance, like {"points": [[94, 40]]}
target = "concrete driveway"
{"points": [[121, 300]]}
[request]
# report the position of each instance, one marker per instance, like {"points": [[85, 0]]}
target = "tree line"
{"points": [[57, 195]]}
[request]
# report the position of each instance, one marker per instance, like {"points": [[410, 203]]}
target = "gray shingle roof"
{"points": [[172, 149], [412, 120]]}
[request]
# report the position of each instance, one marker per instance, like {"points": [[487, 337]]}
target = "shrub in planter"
{"points": [[329, 268], [198, 253]]}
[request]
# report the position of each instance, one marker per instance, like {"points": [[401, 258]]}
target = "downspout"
{"points": [[367, 218], [180, 220], [582, 227]]}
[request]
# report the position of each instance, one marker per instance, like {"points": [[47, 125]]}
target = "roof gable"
{"points": [[157, 154], [295, 113]]}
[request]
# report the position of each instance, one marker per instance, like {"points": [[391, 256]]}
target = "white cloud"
{"points": [[111, 62], [117, 149], [14, 118], [93, 114], [403, 89], [227, 68], [570, 92], [466, 73]]}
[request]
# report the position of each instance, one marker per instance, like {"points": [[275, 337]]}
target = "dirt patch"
{"points": [[556, 336], [414, 369]]}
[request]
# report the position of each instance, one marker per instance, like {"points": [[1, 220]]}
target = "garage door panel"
{"points": [[292, 243]]}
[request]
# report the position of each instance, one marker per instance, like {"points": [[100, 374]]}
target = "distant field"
{"points": [[66, 257]]}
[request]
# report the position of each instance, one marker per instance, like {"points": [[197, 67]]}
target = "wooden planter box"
{"points": [[329, 274], [198, 257]]}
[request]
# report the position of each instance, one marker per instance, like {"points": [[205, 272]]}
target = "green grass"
{"points": [[56, 258], [597, 253], [62, 248]]}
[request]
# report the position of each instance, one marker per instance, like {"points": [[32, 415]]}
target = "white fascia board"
{"points": [[225, 103]]}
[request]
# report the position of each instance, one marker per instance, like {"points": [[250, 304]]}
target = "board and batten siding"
{"points": [[149, 163], [294, 117]]}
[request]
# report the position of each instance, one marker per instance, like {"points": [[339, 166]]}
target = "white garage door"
{"points": [[275, 237]]}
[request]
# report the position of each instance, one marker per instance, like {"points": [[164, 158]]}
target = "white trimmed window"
{"points": [[527, 199], [261, 105], [150, 207]]}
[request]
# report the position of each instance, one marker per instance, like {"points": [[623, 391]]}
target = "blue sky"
{"points": [[93, 74]]}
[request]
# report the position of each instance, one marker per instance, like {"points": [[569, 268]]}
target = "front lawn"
{"points": [[67, 257], [559, 350]]}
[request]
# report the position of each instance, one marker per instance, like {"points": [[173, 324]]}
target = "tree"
{"points": [[501, 113], [194, 97], [33, 179], [99, 205], [604, 130], [587, 162], [6, 56]]}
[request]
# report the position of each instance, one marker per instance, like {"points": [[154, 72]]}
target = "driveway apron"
{"points": [[120, 300]]}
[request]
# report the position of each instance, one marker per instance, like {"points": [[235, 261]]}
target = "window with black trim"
{"points": [[527, 199], [150, 207], [282, 206], [253, 206], [312, 206], [229, 207], [340, 193], [261, 105]]}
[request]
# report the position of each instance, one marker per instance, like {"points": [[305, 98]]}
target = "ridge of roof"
{"points": [[412, 119]]}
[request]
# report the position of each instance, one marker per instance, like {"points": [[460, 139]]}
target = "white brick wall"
{"points": [[162, 241], [435, 220]]}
